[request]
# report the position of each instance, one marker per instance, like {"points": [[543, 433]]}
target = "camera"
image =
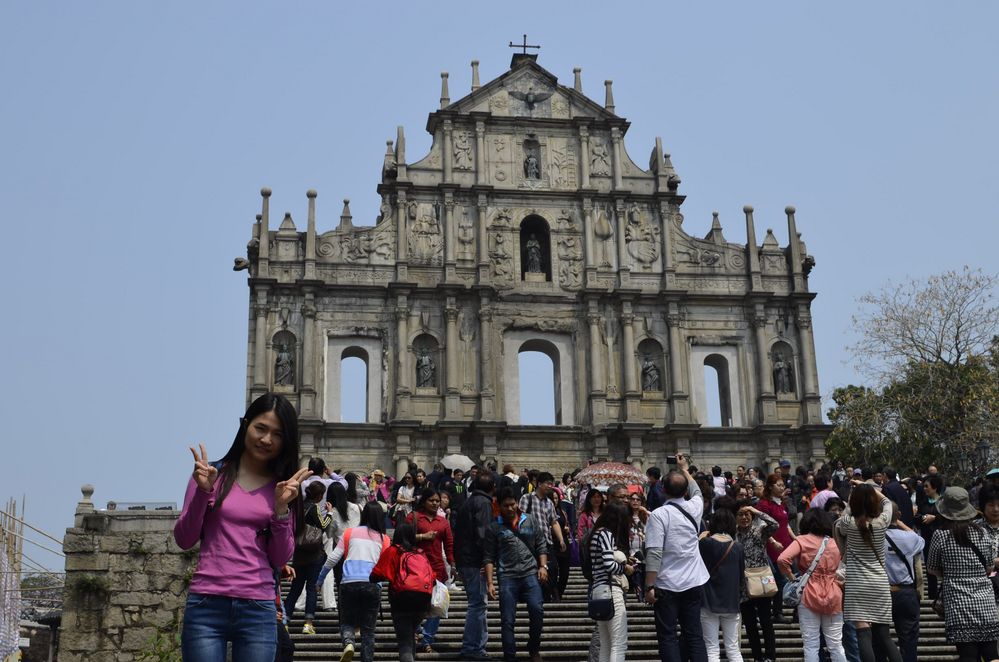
{"points": [[671, 459]]}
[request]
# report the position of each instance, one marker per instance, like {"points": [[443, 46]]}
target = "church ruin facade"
{"points": [[528, 227]]}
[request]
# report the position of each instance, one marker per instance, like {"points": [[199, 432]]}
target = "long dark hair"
{"points": [[616, 518], [865, 504], [284, 465], [588, 503], [405, 536], [336, 494], [425, 495], [373, 517], [351, 479]]}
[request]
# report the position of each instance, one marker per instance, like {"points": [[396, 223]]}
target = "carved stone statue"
{"points": [[532, 170], [783, 375], [284, 367], [535, 264], [462, 151], [599, 160], [425, 370], [650, 375]]}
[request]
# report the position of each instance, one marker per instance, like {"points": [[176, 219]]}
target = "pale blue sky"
{"points": [[135, 136]]}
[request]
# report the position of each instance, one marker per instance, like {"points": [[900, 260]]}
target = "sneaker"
{"points": [[348, 653], [308, 628]]}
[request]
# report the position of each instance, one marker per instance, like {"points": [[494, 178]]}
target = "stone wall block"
{"points": [[114, 544], [128, 562], [139, 598], [97, 562], [78, 543], [134, 639]]}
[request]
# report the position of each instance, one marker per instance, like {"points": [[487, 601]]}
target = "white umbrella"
{"points": [[457, 461]]}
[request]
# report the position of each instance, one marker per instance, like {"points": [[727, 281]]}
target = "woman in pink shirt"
{"points": [[821, 608], [239, 510]]}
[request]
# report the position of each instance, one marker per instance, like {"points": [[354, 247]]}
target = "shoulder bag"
{"points": [[760, 582], [794, 588], [600, 602], [989, 571]]}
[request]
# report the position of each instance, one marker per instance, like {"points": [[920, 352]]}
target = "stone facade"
{"points": [[528, 227], [126, 583]]}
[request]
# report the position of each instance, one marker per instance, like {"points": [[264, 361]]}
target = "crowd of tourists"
{"points": [[713, 553]]}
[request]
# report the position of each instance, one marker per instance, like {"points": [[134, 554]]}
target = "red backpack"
{"points": [[414, 574]]}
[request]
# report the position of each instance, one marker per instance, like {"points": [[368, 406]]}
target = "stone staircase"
{"points": [[566, 633]]}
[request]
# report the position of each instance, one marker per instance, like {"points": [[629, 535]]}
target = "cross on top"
{"points": [[524, 45]]}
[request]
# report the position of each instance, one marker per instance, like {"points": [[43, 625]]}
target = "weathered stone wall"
{"points": [[126, 583]]}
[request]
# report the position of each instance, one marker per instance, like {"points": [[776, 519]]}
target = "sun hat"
{"points": [[858, 472], [379, 473], [953, 505]]}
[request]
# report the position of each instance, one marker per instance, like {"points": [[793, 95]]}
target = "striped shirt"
{"points": [[365, 549], [602, 557]]}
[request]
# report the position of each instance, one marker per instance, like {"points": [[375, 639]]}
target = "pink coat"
{"points": [[823, 594]]}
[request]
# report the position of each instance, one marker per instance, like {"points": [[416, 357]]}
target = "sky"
{"points": [[135, 137]]}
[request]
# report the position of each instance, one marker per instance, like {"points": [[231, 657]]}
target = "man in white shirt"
{"points": [[675, 572]]}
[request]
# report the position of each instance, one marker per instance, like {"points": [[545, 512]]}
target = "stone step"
{"points": [[567, 632]]}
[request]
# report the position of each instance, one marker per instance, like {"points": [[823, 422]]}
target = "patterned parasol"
{"points": [[608, 473]]}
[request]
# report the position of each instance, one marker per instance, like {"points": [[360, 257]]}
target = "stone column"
{"points": [[449, 237], [402, 377], [669, 268], [264, 236], [401, 236], [487, 395], [631, 393], [309, 358], [681, 404], [616, 154], [584, 156], [480, 152], [767, 398], [621, 221], [310, 237], [483, 240], [260, 377], [813, 404], [596, 378], [446, 156], [588, 236], [453, 388]]}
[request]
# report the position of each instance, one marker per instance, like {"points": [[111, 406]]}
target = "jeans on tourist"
{"points": [[905, 614], [614, 632], [777, 602], [359, 603], [850, 645], [306, 576], [814, 626], [730, 632], [877, 637], [757, 612], [682, 607], [476, 632], [428, 631], [212, 620], [511, 591]]}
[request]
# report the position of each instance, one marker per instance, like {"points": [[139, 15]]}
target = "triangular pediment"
{"points": [[530, 90]]}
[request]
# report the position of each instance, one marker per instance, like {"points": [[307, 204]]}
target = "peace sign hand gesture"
{"points": [[287, 490], [204, 473]]}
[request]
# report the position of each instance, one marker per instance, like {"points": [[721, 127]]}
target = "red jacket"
{"points": [[441, 545]]}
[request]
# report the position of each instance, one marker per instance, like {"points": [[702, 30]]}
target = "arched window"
{"points": [[717, 391], [540, 389], [535, 249], [354, 385]]}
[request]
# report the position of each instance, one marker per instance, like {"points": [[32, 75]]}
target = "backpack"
{"points": [[585, 560], [309, 539], [414, 574]]}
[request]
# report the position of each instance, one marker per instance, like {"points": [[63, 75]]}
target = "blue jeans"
{"points": [[683, 607], [476, 632], [212, 620], [850, 645], [306, 577], [511, 591], [428, 631], [359, 603]]}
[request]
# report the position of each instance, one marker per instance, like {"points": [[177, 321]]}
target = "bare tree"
{"points": [[943, 320]]}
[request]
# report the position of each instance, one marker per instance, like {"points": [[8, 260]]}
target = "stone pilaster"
{"points": [[584, 156], [449, 237], [679, 394], [261, 377], [403, 390], [401, 234], [264, 248], [480, 152], [598, 394], [483, 239], [631, 393], [813, 403], [487, 394], [621, 221], [310, 237], [669, 262], [309, 358], [447, 156], [618, 163], [452, 405], [766, 399]]}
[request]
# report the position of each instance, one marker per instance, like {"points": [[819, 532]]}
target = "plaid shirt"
{"points": [[543, 510]]}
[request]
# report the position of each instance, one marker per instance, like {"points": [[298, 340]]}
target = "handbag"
{"points": [[440, 601], [600, 603], [760, 582], [791, 596]]}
